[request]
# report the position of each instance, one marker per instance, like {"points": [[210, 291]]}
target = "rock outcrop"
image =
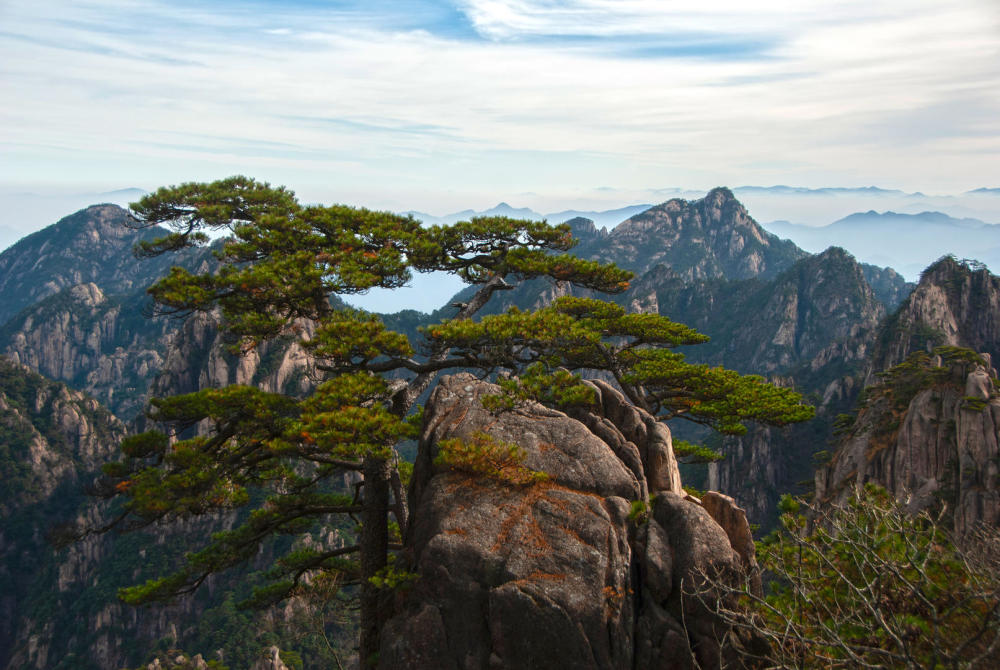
{"points": [[812, 327], [104, 346], [73, 305], [584, 568], [928, 430], [955, 303], [936, 442]]}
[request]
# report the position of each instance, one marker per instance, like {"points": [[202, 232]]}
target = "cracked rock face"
{"points": [[944, 449], [555, 573]]}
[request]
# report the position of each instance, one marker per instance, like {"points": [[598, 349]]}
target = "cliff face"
{"points": [[104, 346], [769, 327], [811, 327], [928, 428], [197, 357], [559, 572], [52, 440], [889, 286], [954, 303], [59, 608], [51, 435], [928, 432], [74, 306]]}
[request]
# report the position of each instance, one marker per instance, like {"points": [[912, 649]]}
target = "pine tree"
{"points": [[276, 455]]}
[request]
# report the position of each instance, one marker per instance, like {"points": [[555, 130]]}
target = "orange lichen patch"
{"points": [[555, 486], [522, 510], [456, 531], [576, 536], [520, 525], [539, 576], [613, 599], [459, 419], [534, 538]]}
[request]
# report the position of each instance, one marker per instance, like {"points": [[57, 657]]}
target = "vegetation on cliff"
{"points": [[869, 584]]}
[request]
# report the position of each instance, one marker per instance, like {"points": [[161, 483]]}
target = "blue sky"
{"points": [[439, 106]]}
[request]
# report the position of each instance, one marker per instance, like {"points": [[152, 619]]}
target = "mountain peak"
{"points": [[699, 239], [953, 304], [723, 192]]}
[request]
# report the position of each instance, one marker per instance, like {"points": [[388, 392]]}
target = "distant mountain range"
{"points": [[984, 199], [602, 219], [914, 243], [906, 242]]}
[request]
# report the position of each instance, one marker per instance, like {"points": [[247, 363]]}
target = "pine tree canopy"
{"points": [[277, 457]]}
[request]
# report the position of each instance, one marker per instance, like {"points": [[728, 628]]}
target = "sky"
{"points": [[438, 106]]}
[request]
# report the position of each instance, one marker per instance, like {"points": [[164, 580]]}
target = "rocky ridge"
{"points": [[955, 303], [75, 306], [92, 245], [812, 326]]}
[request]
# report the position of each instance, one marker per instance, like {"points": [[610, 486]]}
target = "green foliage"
{"points": [[638, 512], [918, 372], [485, 456], [580, 334], [843, 423], [393, 578], [974, 404], [822, 457], [695, 453], [694, 491], [867, 584], [291, 659], [556, 388]]}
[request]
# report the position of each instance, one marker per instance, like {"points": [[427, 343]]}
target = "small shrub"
{"points": [[486, 456], [974, 404], [639, 513]]}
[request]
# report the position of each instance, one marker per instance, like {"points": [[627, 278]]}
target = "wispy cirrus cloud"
{"points": [[510, 19], [402, 103]]}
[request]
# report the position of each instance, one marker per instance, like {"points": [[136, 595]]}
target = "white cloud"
{"points": [[153, 92], [502, 19]]}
